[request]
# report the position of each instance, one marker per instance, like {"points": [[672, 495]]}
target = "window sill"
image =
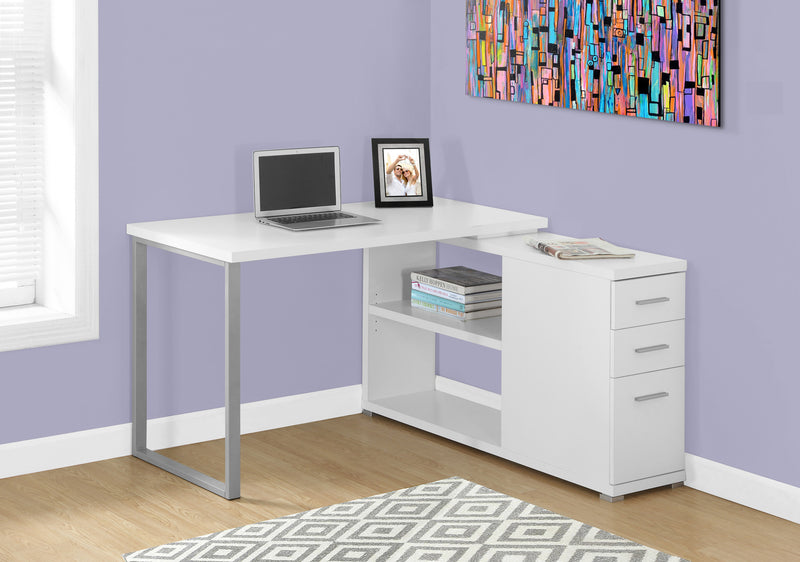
{"points": [[23, 327]]}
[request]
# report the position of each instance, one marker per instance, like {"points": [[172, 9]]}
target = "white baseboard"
{"points": [[69, 449], [745, 488], [58, 451]]}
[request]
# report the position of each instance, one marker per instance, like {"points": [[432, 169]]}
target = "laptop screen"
{"points": [[296, 180]]}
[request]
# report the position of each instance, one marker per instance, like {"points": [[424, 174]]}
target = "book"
{"points": [[462, 307], [474, 315], [458, 279], [450, 295], [586, 249], [416, 303]]}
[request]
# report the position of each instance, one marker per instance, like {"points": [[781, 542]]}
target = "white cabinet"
{"points": [[592, 362]]}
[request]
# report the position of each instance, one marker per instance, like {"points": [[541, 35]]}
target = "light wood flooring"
{"points": [[101, 510]]}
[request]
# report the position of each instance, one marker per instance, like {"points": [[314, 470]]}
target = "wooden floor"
{"points": [[101, 510]]}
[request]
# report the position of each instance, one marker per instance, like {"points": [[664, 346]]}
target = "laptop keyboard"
{"points": [[311, 217]]}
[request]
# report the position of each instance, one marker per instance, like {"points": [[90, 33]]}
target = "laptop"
{"points": [[299, 189]]}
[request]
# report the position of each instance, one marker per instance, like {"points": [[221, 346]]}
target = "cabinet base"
{"points": [[612, 499]]}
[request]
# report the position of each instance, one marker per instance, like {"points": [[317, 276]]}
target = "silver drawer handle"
{"points": [[658, 347], [651, 396], [653, 301]]}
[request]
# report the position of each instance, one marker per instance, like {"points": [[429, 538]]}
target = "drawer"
{"points": [[647, 425], [647, 300], [647, 348]]}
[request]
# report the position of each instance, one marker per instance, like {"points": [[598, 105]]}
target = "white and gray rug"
{"points": [[448, 520]]}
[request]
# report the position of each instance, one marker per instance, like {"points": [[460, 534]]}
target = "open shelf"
{"points": [[483, 331], [452, 417]]}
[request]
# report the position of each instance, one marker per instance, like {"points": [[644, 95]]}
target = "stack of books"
{"points": [[459, 292]]}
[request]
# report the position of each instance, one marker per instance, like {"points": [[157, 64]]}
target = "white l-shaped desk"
{"points": [[598, 345]]}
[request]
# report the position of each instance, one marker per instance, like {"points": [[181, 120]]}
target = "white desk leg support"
{"points": [[230, 489]]}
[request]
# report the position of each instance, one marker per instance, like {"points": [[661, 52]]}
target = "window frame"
{"points": [[67, 306]]}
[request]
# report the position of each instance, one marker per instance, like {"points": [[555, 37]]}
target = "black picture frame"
{"points": [[413, 157]]}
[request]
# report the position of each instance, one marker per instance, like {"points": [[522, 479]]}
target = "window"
{"points": [[22, 48], [48, 172]]}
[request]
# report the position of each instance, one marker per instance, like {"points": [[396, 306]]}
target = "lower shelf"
{"points": [[483, 331], [479, 426], [437, 412]]}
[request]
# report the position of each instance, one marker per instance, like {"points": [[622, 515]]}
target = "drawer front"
{"points": [[647, 300], [647, 425], [647, 348]]}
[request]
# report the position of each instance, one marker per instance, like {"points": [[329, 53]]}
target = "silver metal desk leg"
{"points": [[230, 489], [139, 346], [233, 402]]}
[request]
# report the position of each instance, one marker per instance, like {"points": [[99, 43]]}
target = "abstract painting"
{"points": [[657, 59]]}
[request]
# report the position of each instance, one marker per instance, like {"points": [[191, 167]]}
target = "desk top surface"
{"points": [[240, 238]]}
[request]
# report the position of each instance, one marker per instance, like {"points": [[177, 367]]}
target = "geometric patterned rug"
{"points": [[448, 520]]}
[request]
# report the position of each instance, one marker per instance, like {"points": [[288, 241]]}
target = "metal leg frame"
{"points": [[230, 488]]}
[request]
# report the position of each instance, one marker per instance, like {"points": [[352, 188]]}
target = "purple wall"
{"points": [[725, 199], [189, 88]]}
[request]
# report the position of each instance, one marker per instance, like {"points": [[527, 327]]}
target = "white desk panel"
{"points": [[240, 238]]}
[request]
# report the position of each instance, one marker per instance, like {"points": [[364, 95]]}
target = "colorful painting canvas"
{"points": [[657, 59]]}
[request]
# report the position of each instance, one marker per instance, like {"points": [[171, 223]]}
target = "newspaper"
{"points": [[579, 249]]}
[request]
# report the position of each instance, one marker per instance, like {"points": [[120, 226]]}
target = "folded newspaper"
{"points": [[585, 249]]}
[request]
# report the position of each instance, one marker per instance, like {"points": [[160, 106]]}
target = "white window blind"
{"points": [[22, 72]]}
